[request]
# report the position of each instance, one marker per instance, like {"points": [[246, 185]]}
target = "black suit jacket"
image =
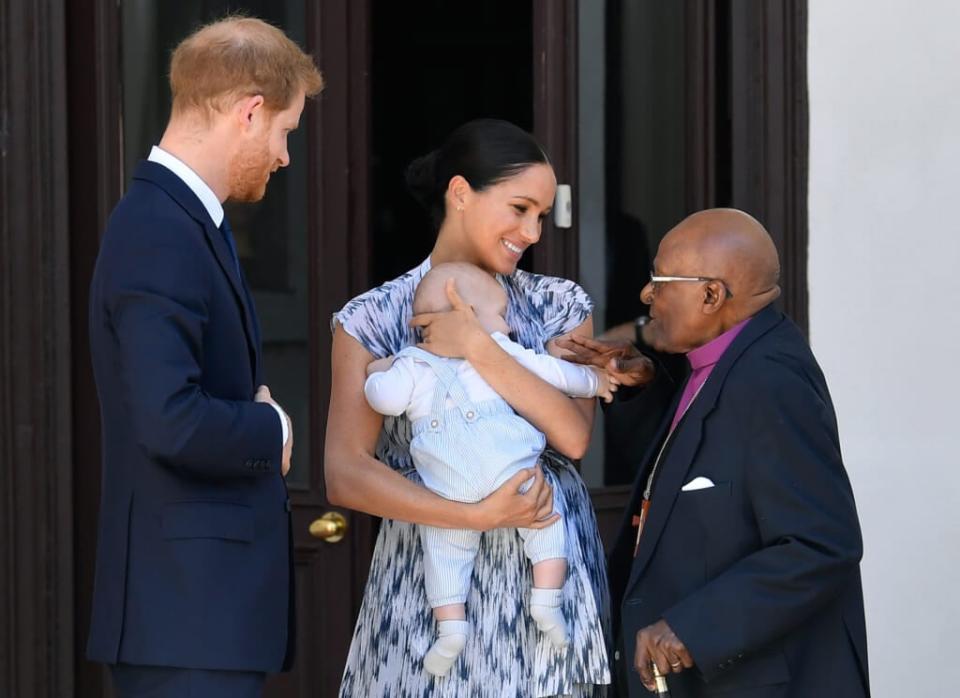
{"points": [[758, 575], [193, 558]]}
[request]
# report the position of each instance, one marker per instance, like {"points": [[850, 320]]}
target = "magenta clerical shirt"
{"points": [[702, 360]]}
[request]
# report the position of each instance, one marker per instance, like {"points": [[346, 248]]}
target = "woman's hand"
{"points": [[455, 333], [509, 507]]}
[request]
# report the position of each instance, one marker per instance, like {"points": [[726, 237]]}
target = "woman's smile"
{"points": [[515, 250]]}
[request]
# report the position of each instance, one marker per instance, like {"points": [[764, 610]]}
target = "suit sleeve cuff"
{"points": [[686, 620], [283, 423]]}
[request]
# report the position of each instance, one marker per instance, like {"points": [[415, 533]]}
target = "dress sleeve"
{"points": [[565, 305], [372, 319]]}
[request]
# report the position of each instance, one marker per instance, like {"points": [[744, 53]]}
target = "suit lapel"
{"points": [[257, 337], [177, 189], [225, 258], [643, 470], [620, 559], [684, 443]]}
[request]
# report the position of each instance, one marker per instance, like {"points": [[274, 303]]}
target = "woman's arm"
{"points": [[567, 423], [357, 480]]}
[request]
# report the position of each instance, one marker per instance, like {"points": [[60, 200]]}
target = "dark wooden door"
{"points": [[331, 573]]}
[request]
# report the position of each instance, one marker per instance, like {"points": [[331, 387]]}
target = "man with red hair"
{"points": [[193, 591]]}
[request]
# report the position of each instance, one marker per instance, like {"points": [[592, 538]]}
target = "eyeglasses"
{"points": [[656, 280]]}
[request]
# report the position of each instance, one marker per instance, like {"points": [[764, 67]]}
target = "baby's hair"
{"points": [[472, 284]]}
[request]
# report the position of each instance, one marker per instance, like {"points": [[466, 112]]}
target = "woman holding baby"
{"points": [[487, 189]]}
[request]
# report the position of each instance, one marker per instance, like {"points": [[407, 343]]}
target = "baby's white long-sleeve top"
{"points": [[409, 384]]}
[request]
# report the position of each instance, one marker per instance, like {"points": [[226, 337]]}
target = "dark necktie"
{"points": [[228, 236]]}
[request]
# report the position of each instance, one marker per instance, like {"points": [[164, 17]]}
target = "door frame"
{"points": [[555, 124], [36, 435]]}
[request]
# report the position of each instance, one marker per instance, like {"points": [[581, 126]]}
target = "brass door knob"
{"points": [[331, 527]]}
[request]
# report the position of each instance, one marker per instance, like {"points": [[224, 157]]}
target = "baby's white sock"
{"points": [[545, 609], [451, 637]]}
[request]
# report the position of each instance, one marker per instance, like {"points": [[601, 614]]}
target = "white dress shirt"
{"points": [[214, 209]]}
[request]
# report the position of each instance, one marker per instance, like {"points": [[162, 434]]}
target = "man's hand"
{"points": [[608, 384], [619, 358], [658, 643], [263, 395], [454, 333]]}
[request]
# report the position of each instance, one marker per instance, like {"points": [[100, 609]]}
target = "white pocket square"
{"points": [[697, 483]]}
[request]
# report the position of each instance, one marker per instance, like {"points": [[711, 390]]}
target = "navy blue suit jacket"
{"points": [[193, 559], [758, 575]]}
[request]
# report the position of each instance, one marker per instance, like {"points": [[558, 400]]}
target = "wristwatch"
{"points": [[638, 324]]}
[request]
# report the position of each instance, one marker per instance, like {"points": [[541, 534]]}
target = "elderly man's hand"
{"points": [[658, 643], [619, 357]]}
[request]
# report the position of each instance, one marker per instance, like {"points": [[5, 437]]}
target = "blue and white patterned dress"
{"points": [[505, 655]]}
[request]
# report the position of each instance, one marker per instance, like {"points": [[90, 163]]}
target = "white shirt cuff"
{"points": [[283, 423]]}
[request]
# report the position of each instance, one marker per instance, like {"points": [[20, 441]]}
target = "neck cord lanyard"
{"points": [[640, 520]]}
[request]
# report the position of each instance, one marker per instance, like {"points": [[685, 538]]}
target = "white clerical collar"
{"points": [[192, 180]]}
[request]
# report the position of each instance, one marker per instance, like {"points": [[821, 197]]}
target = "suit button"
{"points": [[616, 656], [287, 506]]}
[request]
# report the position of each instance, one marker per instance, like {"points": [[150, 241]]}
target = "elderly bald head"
{"points": [[738, 261], [731, 245]]}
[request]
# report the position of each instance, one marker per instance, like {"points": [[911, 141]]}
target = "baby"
{"points": [[467, 441]]}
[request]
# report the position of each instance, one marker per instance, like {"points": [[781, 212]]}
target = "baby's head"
{"points": [[476, 287]]}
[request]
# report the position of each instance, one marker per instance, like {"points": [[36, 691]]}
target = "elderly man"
{"points": [[736, 571]]}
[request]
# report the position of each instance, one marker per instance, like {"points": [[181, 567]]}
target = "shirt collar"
{"points": [[192, 180], [710, 353]]}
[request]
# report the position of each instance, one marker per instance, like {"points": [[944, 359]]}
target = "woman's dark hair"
{"points": [[482, 151]]}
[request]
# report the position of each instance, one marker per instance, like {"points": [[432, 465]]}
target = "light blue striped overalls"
{"points": [[464, 453]]}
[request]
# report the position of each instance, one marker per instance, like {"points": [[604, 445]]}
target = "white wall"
{"points": [[884, 269]]}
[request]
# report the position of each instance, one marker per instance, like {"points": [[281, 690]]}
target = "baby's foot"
{"points": [[451, 638], [545, 609]]}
